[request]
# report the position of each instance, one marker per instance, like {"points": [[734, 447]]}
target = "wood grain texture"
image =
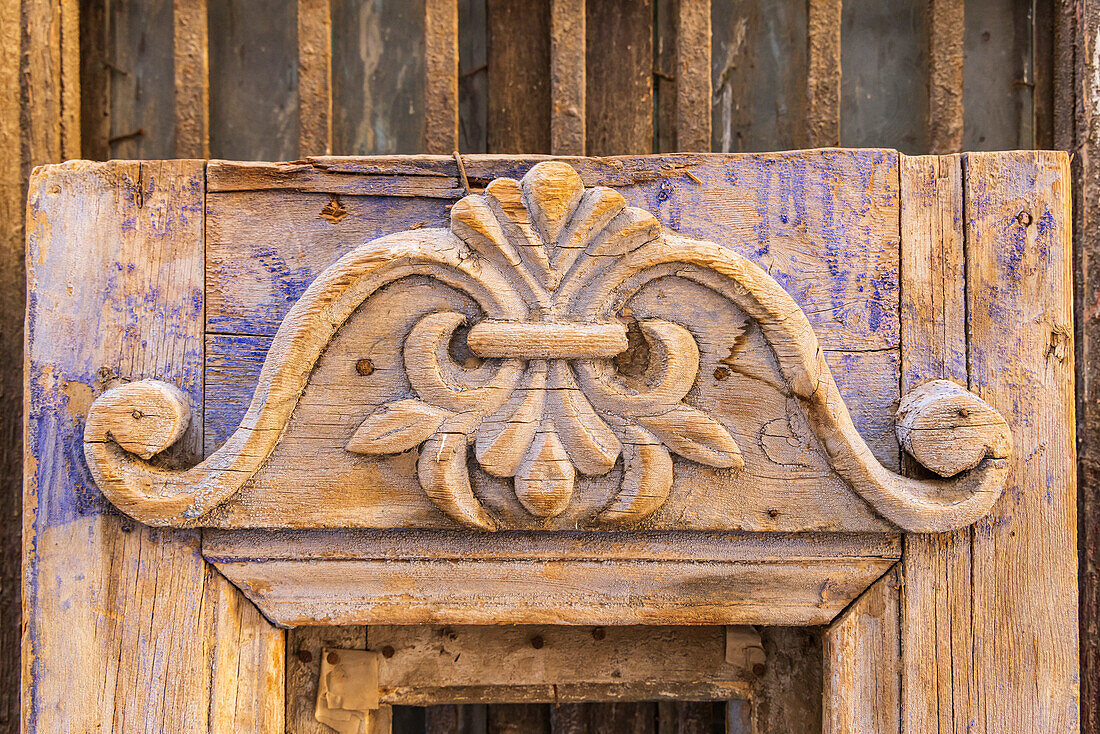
{"points": [[619, 78], [93, 617], [998, 86], [394, 578], [946, 35], [884, 87], [254, 82], [1025, 553], [441, 68], [519, 79], [823, 20], [314, 77], [303, 666], [142, 103], [758, 72], [936, 596], [863, 661], [191, 70], [693, 82], [473, 77], [567, 76]]}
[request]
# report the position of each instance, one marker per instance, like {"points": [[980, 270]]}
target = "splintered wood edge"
{"points": [[538, 208]]}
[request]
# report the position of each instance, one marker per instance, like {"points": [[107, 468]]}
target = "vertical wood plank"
{"points": [[823, 73], [945, 61], [787, 695], [473, 77], [254, 79], [935, 599], [519, 66], [142, 101], [519, 718], [119, 618], [314, 78], [378, 96], [95, 80], [247, 684], [11, 359], [884, 94], [1019, 291], [862, 682], [441, 68], [191, 67], [996, 77], [567, 77], [758, 73], [619, 83], [693, 83], [1079, 42], [303, 668]]}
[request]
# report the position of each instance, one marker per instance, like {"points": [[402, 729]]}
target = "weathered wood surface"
{"points": [[823, 88], [518, 47], [314, 77], [693, 80], [355, 577], [441, 74], [936, 595], [567, 76], [863, 663], [90, 615], [191, 71], [1018, 255], [303, 666], [618, 78], [946, 42]]}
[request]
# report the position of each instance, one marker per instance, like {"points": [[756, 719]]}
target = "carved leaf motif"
{"points": [[695, 436], [504, 436], [598, 207], [397, 427], [552, 190], [627, 232], [591, 445], [445, 479], [544, 482], [647, 477]]}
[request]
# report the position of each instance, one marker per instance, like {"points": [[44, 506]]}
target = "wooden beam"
{"points": [[935, 599], [619, 80], [191, 75], [693, 81], [567, 76], [314, 77], [441, 67], [1019, 295], [946, 33], [823, 73], [862, 656]]}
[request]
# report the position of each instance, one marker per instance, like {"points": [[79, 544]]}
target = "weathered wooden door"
{"points": [[651, 405]]}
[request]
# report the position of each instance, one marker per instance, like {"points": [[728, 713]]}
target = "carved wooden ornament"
{"points": [[541, 397]]}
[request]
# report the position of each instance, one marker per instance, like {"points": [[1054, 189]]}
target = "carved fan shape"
{"points": [[549, 236], [550, 264]]}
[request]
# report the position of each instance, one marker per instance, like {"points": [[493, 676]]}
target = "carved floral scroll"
{"points": [[550, 264]]}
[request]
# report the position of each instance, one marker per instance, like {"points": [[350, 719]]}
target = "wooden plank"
{"points": [[619, 80], [95, 81], [862, 663], [519, 87], [787, 693], [567, 77], [422, 664], [1019, 291], [378, 97], [92, 618], [303, 666], [314, 77], [191, 67], [299, 580], [935, 599], [1078, 41], [664, 76], [884, 93], [995, 76], [823, 19], [759, 75], [142, 87], [946, 37], [254, 80], [693, 83], [473, 77], [518, 718], [441, 69]]}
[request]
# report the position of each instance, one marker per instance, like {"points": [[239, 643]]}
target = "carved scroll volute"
{"points": [[549, 262]]}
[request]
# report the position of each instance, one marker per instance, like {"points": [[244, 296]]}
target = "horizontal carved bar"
{"points": [[511, 340]]}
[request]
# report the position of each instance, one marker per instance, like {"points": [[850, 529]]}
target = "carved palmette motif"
{"points": [[550, 264]]}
